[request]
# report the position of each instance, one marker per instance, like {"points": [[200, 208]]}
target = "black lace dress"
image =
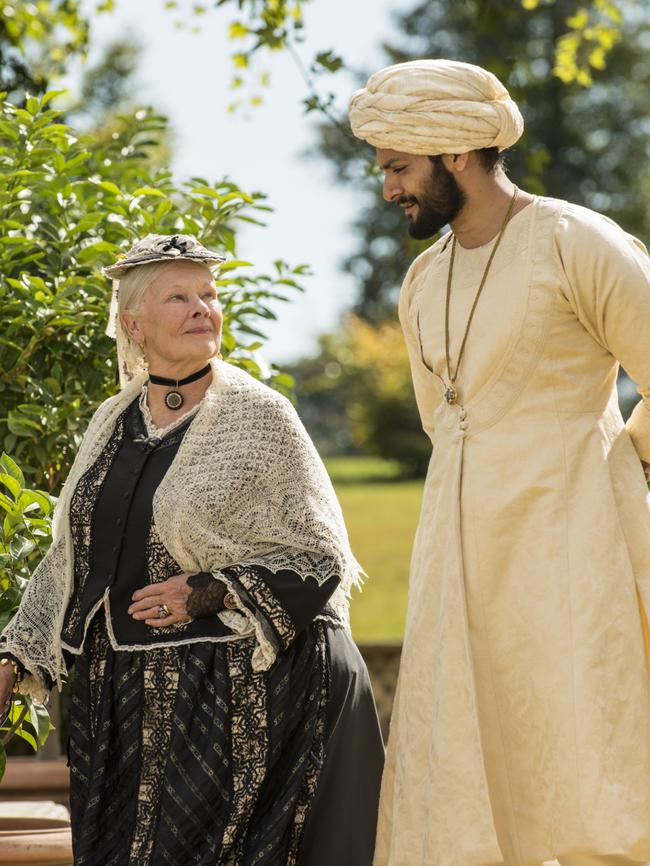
{"points": [[180, 752]]}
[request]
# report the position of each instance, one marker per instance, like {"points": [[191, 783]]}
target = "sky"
{"points": [[187, 76]]}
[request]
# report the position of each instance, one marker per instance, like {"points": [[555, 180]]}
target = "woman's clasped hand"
{"points": [[178, 599]]}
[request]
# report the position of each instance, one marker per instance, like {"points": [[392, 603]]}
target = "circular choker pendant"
{"points": [[174, 400]]}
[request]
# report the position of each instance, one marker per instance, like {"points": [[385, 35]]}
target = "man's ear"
{"points": [[455, 162]]}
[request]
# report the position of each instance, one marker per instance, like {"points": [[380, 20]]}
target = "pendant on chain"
{"points": [[451, 394]]}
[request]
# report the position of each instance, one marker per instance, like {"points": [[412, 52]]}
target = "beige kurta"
{"points": [[521, 728]]}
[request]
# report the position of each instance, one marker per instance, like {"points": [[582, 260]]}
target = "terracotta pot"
{"points": [[35, 842]]}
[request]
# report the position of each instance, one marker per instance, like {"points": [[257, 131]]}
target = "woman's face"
{"points": [[178, 323]]}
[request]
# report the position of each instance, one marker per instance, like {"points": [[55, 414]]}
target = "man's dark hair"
{"points": [[490, 158]]}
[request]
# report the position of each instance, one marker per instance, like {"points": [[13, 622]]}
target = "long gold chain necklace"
{"points": [[451, 394]]}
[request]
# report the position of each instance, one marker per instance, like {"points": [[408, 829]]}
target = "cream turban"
{"points": [[430, 107]]}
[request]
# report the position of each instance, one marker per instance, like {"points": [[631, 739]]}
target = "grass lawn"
{"points": [[381, 516]]}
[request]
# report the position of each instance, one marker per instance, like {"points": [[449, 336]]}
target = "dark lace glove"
{"points": [[206, 595]]}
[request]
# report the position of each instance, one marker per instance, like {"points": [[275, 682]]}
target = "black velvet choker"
{"points": [[174, 398]]}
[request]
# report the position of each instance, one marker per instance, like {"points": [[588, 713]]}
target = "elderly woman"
{"points": [[198, 580]]}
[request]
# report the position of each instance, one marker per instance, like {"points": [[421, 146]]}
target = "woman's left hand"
{"points": [[173, 593]]}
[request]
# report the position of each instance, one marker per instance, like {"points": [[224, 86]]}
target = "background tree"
{"points": [[356, 396], [38, 41]]}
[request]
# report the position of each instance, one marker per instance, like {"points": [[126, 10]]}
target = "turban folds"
{"points": [[430, 107]]}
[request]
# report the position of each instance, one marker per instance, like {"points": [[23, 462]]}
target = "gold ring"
{"points": [[163, 611]]}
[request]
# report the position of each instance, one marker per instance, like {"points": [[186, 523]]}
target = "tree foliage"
{"points": [[67, 207], [25, 534], [37, 41], [593, 30], [581, 46], [356, 395]]}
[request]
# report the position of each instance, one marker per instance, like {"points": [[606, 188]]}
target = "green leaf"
{"points": [[10, 523], [329, 61], [11, 468], [149, 190], [16, 711], [21, 547], [237, 30], [76, 161], [285, 380], [39, 718], [207, 190], [109, 186], [11, 483], [22, 426], [89, 221], [10, 599], [35, 497], [91, 252], [46, 98], [7, 504], [33, 105], [235, 263], [25, 735]]}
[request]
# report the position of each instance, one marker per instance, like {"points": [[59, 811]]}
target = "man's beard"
{"points": [[438, 204]]}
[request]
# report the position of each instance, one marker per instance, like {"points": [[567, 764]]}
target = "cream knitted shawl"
{"points": [[246, 487]]}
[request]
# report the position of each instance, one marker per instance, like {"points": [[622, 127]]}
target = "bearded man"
{"points": [[521, 728]]}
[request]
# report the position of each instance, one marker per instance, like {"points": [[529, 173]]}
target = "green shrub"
{"points": [[25, 534]]}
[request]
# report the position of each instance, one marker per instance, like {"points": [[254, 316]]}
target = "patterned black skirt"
{"points": [[184, 755]]}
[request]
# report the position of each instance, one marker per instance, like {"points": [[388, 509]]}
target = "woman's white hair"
{"points": [[135, 283]]}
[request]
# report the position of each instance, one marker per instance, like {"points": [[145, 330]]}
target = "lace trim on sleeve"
{"points": [[244, 623]]}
